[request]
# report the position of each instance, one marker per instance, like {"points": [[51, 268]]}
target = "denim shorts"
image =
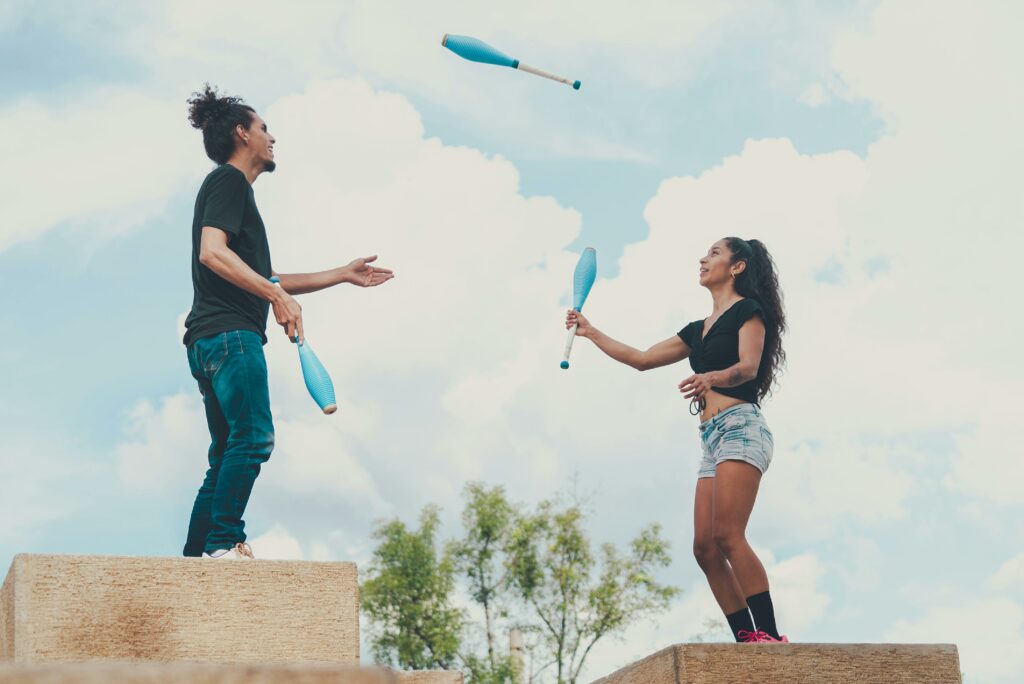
{"points": [[738, 433]]}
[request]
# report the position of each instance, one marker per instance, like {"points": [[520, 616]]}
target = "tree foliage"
{"points": [[408, 594], [487, 520], [536, 571], [577, 597]]}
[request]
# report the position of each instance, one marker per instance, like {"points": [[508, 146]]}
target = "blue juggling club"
{"points": [[318, 382], [475, 50], [582, 280]]}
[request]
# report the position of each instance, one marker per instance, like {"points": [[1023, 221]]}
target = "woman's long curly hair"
{"points": [[217, 117], [760, 281]]}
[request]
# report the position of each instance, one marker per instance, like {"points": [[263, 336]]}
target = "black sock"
{"points": [[764, 613], [740, 621]]}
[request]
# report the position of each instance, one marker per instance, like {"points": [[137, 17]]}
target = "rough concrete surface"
{"points": [[7, 617], [96, 672], [74, 608], [429, 677], [795, 663], [192, 673]]}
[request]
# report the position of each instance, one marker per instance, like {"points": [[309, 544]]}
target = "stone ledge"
{"points": [[194, 673], [202, 673], [76, 608], [794, 663]]}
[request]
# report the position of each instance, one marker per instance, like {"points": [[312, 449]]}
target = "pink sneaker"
{"points": [[749, 637], [766, 638]]}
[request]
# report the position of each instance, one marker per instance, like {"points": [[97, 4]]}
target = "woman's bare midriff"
{"points": [[715, 403]]}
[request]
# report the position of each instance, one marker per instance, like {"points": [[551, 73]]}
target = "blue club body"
{"points": [[476, 50], [583, 277], [582, 280], [318, 381]]}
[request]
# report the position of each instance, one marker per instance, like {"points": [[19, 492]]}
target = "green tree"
{"points": [[407, 593], [534, 571], [487, 519], [577, 598]]}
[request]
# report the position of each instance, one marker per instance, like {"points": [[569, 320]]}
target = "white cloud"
{"points": [[989, 633], [1010, 576], [165, 449], [814, 95], [862, 573], [165, 445], [108, 161], [936, 198], [812, 490], [314, 459], [989, 461], [797, 592], [45, 480], [277, 544]]}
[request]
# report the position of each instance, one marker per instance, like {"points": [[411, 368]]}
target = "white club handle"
{"points": [[538, 72], [568, 344]]}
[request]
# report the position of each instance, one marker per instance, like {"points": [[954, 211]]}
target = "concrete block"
{"points": [[74, 608], [108, 672], [794, 663], [428, 677]]}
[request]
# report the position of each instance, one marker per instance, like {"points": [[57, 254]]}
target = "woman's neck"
{"points": [[723, 297]]}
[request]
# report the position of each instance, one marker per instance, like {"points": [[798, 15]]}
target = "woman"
{"points": [[735, 353]]}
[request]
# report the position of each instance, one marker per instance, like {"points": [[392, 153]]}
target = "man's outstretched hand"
{"points": [[361, 272]]}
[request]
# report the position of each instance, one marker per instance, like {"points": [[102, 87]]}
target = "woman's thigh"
{"points": [[703, 510], [734, 491]]}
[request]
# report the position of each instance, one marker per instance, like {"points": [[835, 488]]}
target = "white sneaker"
{"points": [[241, 551]]}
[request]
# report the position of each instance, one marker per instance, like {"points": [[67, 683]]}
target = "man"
{"points": [[226, 329]]}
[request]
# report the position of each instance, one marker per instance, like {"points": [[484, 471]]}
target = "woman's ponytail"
{"points": [[760, 282]]}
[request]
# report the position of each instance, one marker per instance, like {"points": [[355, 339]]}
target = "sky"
{"points": [[873, 146]]}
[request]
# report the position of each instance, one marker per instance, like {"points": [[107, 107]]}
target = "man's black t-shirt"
{"points": [[720, 348], [226, 201]]}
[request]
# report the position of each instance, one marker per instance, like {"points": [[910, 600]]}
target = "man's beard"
{"points": [[269, 166]]}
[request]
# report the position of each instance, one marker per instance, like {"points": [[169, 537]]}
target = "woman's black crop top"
{"points": [[720, 348]]}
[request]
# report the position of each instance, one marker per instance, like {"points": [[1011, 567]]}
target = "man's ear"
{"points": [[242, 132]]}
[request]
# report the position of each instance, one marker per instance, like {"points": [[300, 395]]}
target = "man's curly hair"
{"points": [[217, 117]]}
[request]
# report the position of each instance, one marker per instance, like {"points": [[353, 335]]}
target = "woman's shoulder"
{"points": [[745, 309], [691, 330]]}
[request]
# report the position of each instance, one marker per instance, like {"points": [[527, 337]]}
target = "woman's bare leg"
{"points": [[734, 490], [720, 576]]}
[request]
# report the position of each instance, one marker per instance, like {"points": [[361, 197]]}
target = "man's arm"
{"points": [[215, 255], [358, 272]]}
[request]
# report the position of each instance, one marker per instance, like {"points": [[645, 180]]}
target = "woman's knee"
{"points": [[706, 552], [728, 541]]}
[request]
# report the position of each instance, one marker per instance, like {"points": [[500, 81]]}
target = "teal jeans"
{"points": [[232, 374]]}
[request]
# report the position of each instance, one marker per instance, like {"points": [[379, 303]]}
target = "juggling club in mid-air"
{"points": [[476, 50]]}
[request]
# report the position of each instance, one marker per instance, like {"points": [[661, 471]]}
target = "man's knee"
{"points": [[263, 444], [255, 446]]}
